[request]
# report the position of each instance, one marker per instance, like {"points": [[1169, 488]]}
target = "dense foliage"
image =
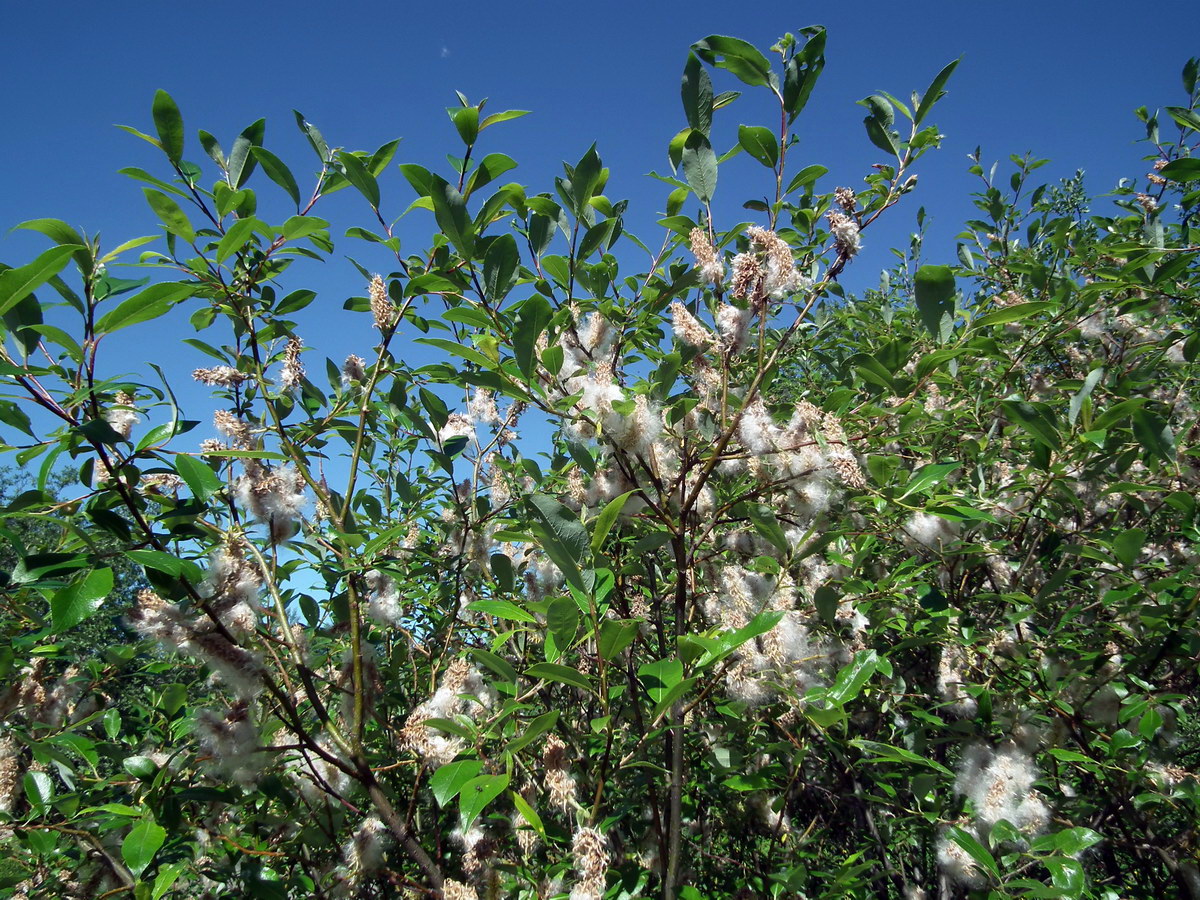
{"points": [[693, 578]]}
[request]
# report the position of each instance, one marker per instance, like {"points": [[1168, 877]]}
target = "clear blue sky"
{"points": [[1055, 77]]}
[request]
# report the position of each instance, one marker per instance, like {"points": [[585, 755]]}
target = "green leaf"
{"points": [[697, 94], [467, 353], [806, 176], [169, 124], [802, 71], [584, 178], [501, 263], [62, 233], [450, 210], [278, 172], [170, 213], [561, 535], [1154, 433], [659, 677], [497, 664], [235, 238], [151, 303], [1187, 169], [878, 123], [356, 173], [213, 148], [532, 319], [200, 477], [80, 600], [140, 845], [533, 731], [760, 143], [165, 878], [736, 56], [1037, 419], [851, 679], [17, 284], [1011, 314], [935, 93], [297, 227], [934, 294], [700, 165], [596, 236], [466, 122], [728, 643], [765, 523], [39, 791], [615, 636], [561, 674], [476, 794], [315, 140], [1068, 842], [562, 618], [530, 815], [241, 161], [888, 753], [502, 609], [604, 522], [1089, 384], [975, 850], [507, 116], [927, 476], [449, 779]]}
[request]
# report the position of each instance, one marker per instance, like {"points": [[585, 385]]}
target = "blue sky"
{"points": [[1058, 78]]}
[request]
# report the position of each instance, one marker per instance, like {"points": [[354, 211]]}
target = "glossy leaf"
{"points": [[81, 599], [17, 284], [141, 844], [761, 143], [475, 796], [700, 165], [169, 124], [151, 303], [934, 294]]}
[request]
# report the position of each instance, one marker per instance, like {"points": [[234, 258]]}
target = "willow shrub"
{"points": [[694, 578]]}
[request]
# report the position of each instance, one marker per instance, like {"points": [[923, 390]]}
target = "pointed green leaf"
{"points": [[356, 173], [17, 284], [760, 143], [700, 165], [500, 266], [170, 213], [149, 304], [241, 161], [533, 731], [561, 674], [1037, 419], [476, 794], [736, 56], [1089, 384], [140, 845], [934, 293], [235, 238], [169, 124], [615, 636], [449, 779], [80, 600], [278, 172], [927, 476], [935, 93], [604, 522], [199, 476], [697, 95]]}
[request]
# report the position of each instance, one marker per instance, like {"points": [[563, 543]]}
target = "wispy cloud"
{"points": [[445, 51]]}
